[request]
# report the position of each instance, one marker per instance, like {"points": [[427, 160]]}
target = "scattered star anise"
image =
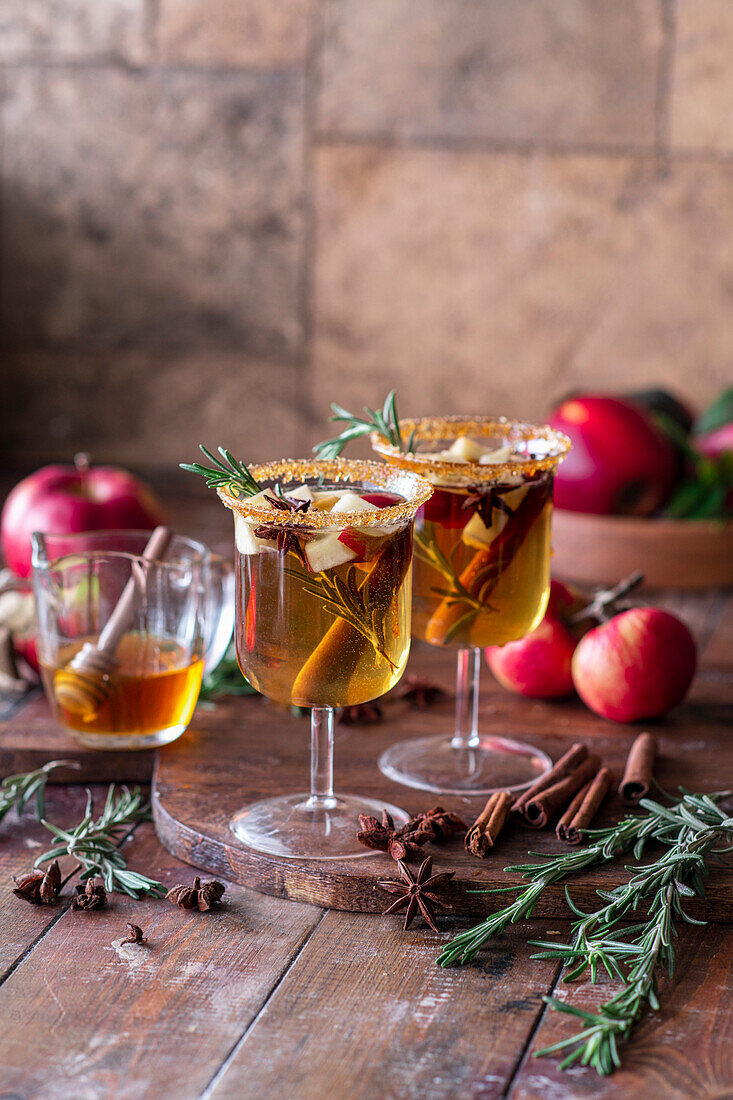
{"points": [[416, 892], [92, 895], [362, 714], [201, 896], [135, 935], [485, 500], [37, 886], [418, 692], [437, 825], [401, 844]]}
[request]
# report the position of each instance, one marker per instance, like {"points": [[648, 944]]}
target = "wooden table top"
{"points": [[271, 998]]}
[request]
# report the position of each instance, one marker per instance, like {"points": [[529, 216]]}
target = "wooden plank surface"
{"points": [[682, 1052], [105, 1019], [365, 1013]]}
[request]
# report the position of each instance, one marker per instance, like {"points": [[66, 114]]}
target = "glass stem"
{"points": [[468, 672], [321, 796]]}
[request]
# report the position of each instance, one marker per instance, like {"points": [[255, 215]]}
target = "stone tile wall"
{"points": [[219, 215]]}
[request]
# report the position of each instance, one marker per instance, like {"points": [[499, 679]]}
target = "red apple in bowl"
{"points": [[539, 665], [69, 499], [638, 665], [620, 461]]}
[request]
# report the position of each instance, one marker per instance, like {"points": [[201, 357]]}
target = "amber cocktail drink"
{"points": [[324, 570], [481, 577]]}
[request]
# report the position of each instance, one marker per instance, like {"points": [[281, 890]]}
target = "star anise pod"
{"points": [[37, 886], [437, 825], [484, 500], [135, 935], [362, 714], [285, 539], [417, 892], [418, 692], [92, 895], [401, 844], [201, 896]]}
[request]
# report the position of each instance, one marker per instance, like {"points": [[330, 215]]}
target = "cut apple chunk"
{"points": [[246, 540], [477, 535], [352, 502], [300, 492], [501, 454], [327, 552], [465, 449]]}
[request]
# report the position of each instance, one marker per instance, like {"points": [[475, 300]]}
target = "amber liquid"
{"points": [[154, 688], [502, 569], [296, 647]]}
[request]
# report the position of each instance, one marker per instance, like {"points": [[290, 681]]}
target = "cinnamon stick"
{"points": [[482, 573], [482, 835], [575, 755], [544, 805], [584, 808], [637, 778]]}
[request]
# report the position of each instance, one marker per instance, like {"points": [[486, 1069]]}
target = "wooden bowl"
{"points": [[672, 553]]}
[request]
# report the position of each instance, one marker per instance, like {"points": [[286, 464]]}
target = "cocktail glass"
{"points": [[481, 577], [323, 621]]}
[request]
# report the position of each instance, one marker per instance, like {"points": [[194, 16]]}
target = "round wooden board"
{"points": [[247, 749], [688, 554]]}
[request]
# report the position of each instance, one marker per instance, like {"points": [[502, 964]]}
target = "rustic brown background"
{"points": [[219, 215]]}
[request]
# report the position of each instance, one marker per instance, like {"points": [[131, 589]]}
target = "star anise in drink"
{"points": [[416, 893], [401, 844], [284, 538], [39, 887], [484, 500], [437, 825]]}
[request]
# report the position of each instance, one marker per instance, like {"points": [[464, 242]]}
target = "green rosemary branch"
{"points": [[632, 954], [384, 421], [94, 844], [17, 790], [634, 832], [226, 471], [426, 549], [347, 600]]}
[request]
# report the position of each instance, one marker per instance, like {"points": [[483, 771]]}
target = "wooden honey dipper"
{"points": [[81, 686]]}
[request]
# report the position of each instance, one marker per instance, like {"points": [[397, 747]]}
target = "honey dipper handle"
{"points": [[120, 618]]}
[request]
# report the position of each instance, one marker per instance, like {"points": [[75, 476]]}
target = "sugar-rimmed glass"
{"points": [[323, 620], [481, 577]]}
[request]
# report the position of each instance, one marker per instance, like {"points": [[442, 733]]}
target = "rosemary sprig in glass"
{"points": [[427, 549], [384, 421], [95, 843], [226, 471], [347, 600], [17, 790]]}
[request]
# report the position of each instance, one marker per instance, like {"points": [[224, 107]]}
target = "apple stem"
{"points": [[607, 602]]}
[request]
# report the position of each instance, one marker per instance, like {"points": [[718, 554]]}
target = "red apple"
{"points": [[68, 499], [638, 665], [538, 665], [619, 462]]}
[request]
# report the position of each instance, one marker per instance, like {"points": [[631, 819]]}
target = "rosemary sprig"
{"points": [[17, 790], [94, 843], [426, 549], [384, 421], [634, 832], [226, 471], [634, 953], [345, 599]]}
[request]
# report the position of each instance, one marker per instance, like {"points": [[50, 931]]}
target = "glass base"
{"points": [[114, 741], [292, 826], [437, 764]]}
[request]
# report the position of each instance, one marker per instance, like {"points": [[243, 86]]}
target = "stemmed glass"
{"points": [[481, 577], [323, 591]]}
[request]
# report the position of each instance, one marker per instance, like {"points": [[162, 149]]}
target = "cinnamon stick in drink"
{"points": [[583, 808], [482, 835], [543, 806], [567, 763], [637, 779]]}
